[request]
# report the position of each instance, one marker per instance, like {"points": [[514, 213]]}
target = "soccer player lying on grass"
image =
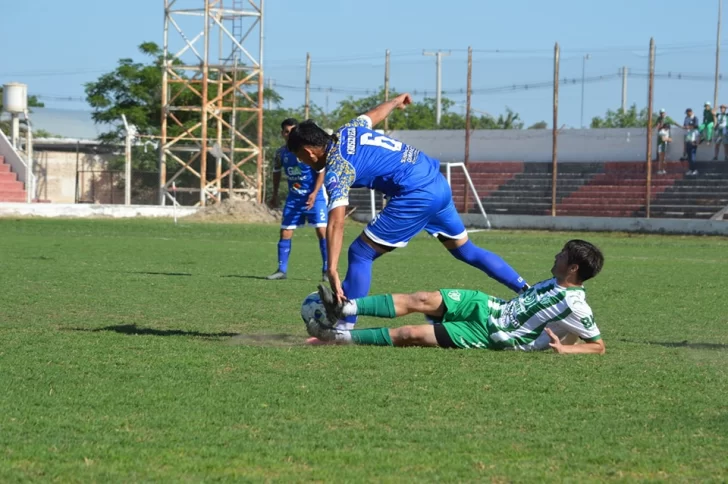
{"points": [[537, 319]]}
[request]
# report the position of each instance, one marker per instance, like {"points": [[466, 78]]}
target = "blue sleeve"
{"points": [[339, 178]]}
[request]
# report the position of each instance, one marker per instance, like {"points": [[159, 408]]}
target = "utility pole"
{"points": [[583, 79], [468, 95], [386, 86], [717, 56], [307, 105], [650, 96], [624, 90], [438, 95]]}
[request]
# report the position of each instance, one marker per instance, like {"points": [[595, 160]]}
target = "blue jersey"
{"points": [[301, 177], [364, 158]]}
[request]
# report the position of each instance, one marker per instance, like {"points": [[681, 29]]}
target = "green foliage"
{"points": [[631, 118], [422, 115], [142, 351], [539, 125]]}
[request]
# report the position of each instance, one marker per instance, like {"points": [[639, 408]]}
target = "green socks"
{"points": [[373, 336], [379, 306]]}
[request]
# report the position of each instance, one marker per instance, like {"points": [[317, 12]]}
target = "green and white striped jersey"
{"points": [[519, 324]]}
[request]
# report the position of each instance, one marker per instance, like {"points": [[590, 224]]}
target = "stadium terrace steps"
{"points": [[11, 190], [529, 192], [698, 196]]}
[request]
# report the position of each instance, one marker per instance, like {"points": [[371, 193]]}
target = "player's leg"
{"points": [[292, 218], [447, 226], [393, 227], [383, 305], [318, 217]]}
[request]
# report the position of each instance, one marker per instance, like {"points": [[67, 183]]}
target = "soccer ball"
{"points": [[313, 308]]}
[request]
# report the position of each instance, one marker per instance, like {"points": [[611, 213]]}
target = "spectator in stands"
{"points": [[706, 129], [663, 138], [692, 138], [662, 126], [721, 132]]}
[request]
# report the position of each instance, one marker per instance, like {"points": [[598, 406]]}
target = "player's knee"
{"points": [[406, 335], [424, 300]]}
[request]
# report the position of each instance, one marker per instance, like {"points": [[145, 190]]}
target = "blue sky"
{"points": [[55, 47]]}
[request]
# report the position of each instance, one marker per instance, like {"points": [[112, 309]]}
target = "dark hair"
{"points": [[587, 256], [289, 122], [308, 133]]}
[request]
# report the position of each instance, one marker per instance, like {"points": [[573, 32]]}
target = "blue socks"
{"points": [[489, 263], [324, 254], [284, 252], [359, 274]]}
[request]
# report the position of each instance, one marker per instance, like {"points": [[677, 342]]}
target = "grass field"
{"points": [[144, 351]]}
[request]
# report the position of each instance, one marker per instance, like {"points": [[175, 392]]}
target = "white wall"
{"points": [[534, 145]]}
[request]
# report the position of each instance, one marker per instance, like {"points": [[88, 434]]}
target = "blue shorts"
{"points": [[296, 214], [430, 209]]}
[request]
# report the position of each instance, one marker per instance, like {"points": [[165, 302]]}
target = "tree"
{"points": [[539, 125], [631, 118], [422, 115]]}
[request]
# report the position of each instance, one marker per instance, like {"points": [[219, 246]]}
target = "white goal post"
{"points": [[448, 173]]}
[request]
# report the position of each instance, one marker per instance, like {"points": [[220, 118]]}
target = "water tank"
{"points": [[15, 97]]}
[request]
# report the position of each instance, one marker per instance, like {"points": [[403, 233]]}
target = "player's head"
{"points": [[287, 126], [577, 262], [722, 108], [308, 142]]}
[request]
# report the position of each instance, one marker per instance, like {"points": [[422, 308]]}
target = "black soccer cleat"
{"points": [[332, 306], [277, 276]]}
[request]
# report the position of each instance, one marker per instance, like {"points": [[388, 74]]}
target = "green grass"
{"points": [[121, 360]]}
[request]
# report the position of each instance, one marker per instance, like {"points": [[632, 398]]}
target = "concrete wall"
{"points": [[534, 145], [55, 173]]}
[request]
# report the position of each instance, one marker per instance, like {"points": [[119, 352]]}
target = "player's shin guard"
{"points": [[373, 336], [359, 274], [284, 251], [324, 248], [489, 263]]}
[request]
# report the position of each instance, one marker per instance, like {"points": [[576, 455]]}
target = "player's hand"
{"points": [[404, 100], [311, 200], [335, 283], [555, 341]]}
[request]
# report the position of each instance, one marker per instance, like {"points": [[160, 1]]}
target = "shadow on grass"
{"points": [[262, 278], [133, 329], [278, 339], [161, 273], [683, 344]]}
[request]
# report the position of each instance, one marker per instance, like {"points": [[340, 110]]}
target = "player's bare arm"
{"points": [[276, 182], [335, 237], [316, 189], [378, 114], [596, 347]]}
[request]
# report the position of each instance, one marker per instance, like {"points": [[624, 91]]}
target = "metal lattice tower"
{"points": [[212, 98]]}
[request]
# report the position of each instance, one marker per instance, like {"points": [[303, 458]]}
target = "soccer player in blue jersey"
{"points": [[305, 202], [419, 198]]}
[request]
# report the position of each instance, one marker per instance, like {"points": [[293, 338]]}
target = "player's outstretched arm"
{"points": [[335, 238], [378, 114], [596, 347]]}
